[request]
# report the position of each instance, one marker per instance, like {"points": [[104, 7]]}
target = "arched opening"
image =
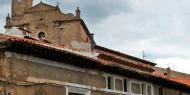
{"points": [[41, 35]]}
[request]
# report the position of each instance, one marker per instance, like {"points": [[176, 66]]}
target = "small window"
{"points": [[119, 84], [41, 35], [161, 92], [110, 83], [149, 90], [143, 89], [136, 88], [180, 93], [125, 85]]}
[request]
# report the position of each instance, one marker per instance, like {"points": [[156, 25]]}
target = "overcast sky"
{"points": [[158, 27]]}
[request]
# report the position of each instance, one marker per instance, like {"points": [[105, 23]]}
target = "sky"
{"points": [[160, 28]]}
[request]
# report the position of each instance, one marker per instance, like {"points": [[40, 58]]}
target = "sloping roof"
{"points": [[41, 7], [179, 79], [116, 53], [68, 56]]}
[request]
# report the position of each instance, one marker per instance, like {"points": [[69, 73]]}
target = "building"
{"points": [[47, 52], [49, 21]]}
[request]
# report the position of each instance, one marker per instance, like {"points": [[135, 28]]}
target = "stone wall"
{"points": [[43, 19]]}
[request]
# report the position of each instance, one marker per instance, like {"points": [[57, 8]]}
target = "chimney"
{"points": [[168, 71]]}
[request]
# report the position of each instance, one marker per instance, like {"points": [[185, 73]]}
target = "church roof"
{"points": [[41, 7], [75, 57]]}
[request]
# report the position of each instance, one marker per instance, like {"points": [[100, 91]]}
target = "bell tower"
{"points": [[20, 6]]}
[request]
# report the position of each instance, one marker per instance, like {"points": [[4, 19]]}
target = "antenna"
{"points": [[168, 65], [77, 3], [58, 3], [144, 55]]}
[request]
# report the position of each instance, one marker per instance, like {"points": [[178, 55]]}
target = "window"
{"points": [[143, 87], [180, 93], [79, 90], [41, 35], [119, 84], [125, 85], [110, 82], [161, 92], [136, 88], [149, 90], [116, 83]]}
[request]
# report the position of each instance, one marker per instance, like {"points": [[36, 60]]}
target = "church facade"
{"points": [[47, 52], [43, 19]]}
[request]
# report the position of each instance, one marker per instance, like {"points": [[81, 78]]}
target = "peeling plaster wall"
{"points": [[40, 90], [25, 69], [36, 70]]}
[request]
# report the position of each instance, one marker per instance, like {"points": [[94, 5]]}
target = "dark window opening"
{"points": [[75, 94], [180, 93], [110, 82], [125, 85], [41, 35], [161, 92]]}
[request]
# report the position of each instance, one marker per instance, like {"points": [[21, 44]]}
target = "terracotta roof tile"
{"points": [[5, 38], [182, 80]]}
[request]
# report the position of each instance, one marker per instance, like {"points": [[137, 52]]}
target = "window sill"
{"points": [[116, 92]]}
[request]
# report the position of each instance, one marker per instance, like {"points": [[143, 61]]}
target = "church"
{"points": [[45, 51]]}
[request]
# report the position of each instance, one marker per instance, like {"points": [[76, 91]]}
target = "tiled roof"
{"points": [[111, 66], [179, 79], [91, 55], [121, 55]]}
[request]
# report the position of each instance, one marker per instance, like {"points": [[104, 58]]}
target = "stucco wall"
{"points": [[24, 69], [40, 90], [21, 70]]}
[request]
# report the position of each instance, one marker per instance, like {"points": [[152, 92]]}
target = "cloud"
{"points": [[159, 27], [178, 64]]}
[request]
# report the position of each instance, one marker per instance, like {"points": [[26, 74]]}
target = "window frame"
{"points": [[141, 82], [107, 84], [119, 78], [128, 85], [125, 85], [114, 78], [136, 82], [161, 89], [77, 90]]}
